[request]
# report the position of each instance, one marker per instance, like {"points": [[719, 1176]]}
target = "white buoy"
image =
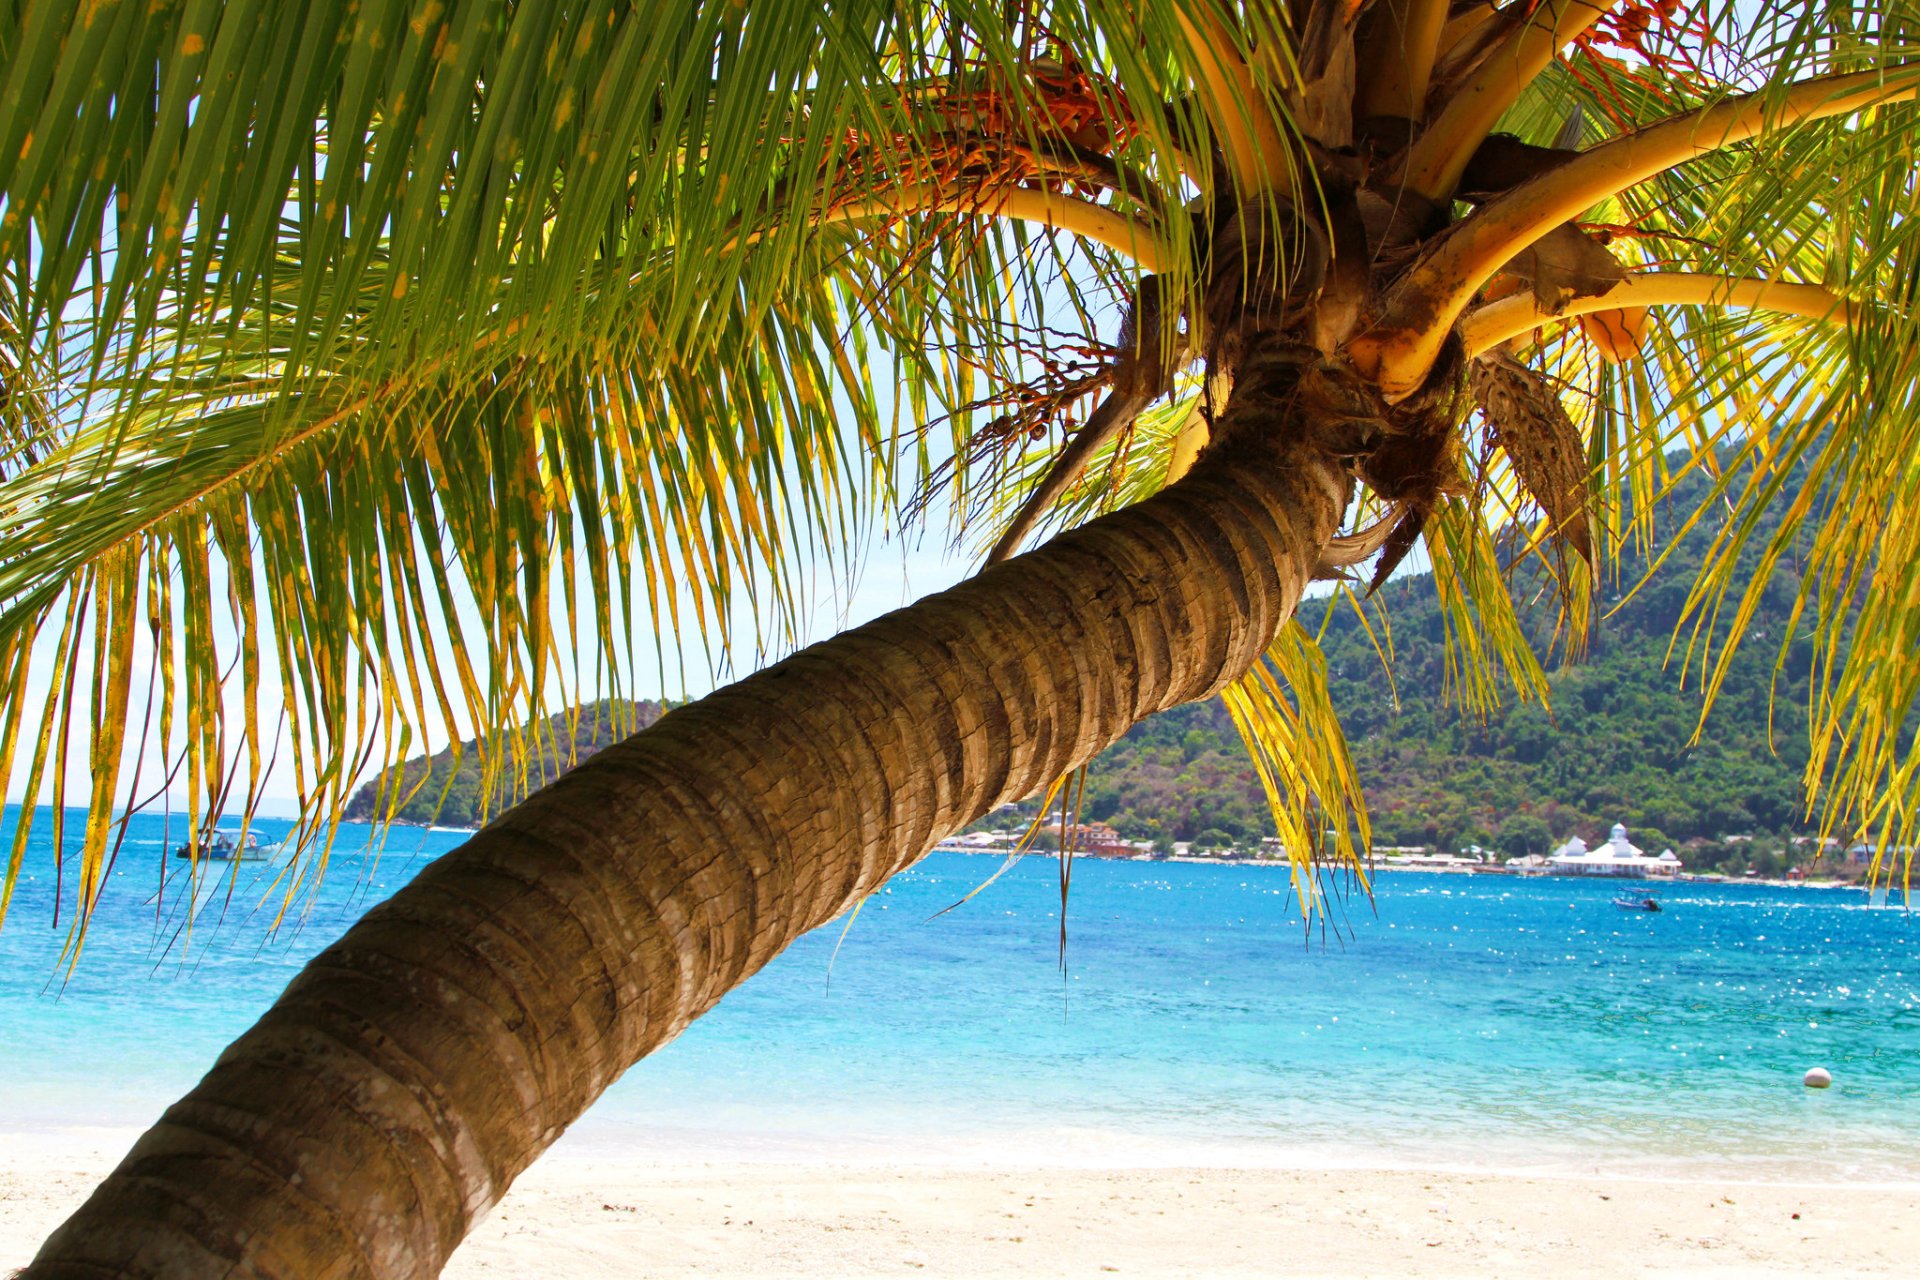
{"points": [[1818, 1078]]}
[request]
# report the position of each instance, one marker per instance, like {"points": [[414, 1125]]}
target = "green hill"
{"points": [[450, 792]]}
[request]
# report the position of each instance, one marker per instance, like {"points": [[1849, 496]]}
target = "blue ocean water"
{"points": [[1452, 1021]]}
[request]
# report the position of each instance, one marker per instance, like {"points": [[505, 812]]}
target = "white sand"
{"points": [[580, 1217]]}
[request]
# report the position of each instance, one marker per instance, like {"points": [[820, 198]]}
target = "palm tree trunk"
{"points": [[414, 1068]]}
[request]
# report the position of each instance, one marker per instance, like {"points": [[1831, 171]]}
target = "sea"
{"points": [[1183, 1014]]}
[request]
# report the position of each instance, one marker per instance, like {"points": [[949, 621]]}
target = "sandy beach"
{"points": [[584, 1217]]}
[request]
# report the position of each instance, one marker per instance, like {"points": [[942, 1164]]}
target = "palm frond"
{"points": [[1810, 413], [438, 362], [1286, 718]]}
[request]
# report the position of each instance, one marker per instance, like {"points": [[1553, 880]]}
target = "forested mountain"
{"points": [[1612, 747], [453, 792]]}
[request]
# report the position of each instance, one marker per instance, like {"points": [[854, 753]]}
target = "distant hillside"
{"points": [[1613, 745], [1612, 748], [452, 795]]}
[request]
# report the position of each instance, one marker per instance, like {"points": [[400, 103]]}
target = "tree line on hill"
{"points": [[1611, 746], [452, 788]]}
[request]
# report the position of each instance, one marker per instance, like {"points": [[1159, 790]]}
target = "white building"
{"points": [[975, 841], [1617, 857]]}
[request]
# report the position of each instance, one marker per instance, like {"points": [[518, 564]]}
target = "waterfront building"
{"points": [[1098, 840], [976, 841], [1424, 861], [1863, 855], [1619, 856]]}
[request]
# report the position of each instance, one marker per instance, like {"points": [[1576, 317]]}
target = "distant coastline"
{"points": [[1374, 867], [1377, 867]]}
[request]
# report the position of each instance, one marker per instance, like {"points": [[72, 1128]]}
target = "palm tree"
{"points": [[319, 315]]}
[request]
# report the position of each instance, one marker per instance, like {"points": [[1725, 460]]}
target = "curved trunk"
{"points": [[414, 1068]]}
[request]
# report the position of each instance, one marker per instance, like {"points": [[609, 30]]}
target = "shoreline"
{"points": [[590, 1216], [1281, 863], [592, 1142], [1382, 868]]}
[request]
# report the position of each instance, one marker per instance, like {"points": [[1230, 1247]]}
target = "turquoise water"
{"points": [[1464, 1022]]}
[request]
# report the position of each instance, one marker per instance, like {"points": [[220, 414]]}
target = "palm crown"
{"points": [[319, 318]]}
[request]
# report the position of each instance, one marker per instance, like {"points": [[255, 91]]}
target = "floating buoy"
{"points": [[1818, 1078]]}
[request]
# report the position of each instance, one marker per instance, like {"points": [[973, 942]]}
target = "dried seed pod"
{"points": [[1530, 423], [1617, 333]]}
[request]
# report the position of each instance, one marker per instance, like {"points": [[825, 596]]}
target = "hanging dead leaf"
{"points": [[1532, 426], [1415, 472], [1565, 264], [1323, 109], [1503, 162], [1398, 543]]}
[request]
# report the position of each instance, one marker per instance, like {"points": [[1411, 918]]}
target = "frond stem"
{"points": [[1067, 160], [1257, 156], [1469, 36], [1115, 412], [1464, 22], [294, 440], [1131, 236], [1398, 42], [1439, 156], [1400, 346], [1487, 327]]}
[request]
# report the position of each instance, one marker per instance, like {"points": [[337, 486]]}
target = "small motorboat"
{"points": [[225, 846], [1636, 902]]}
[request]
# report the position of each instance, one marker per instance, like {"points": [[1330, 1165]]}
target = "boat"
{"points": [[225, 846], [1636, 902]]}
